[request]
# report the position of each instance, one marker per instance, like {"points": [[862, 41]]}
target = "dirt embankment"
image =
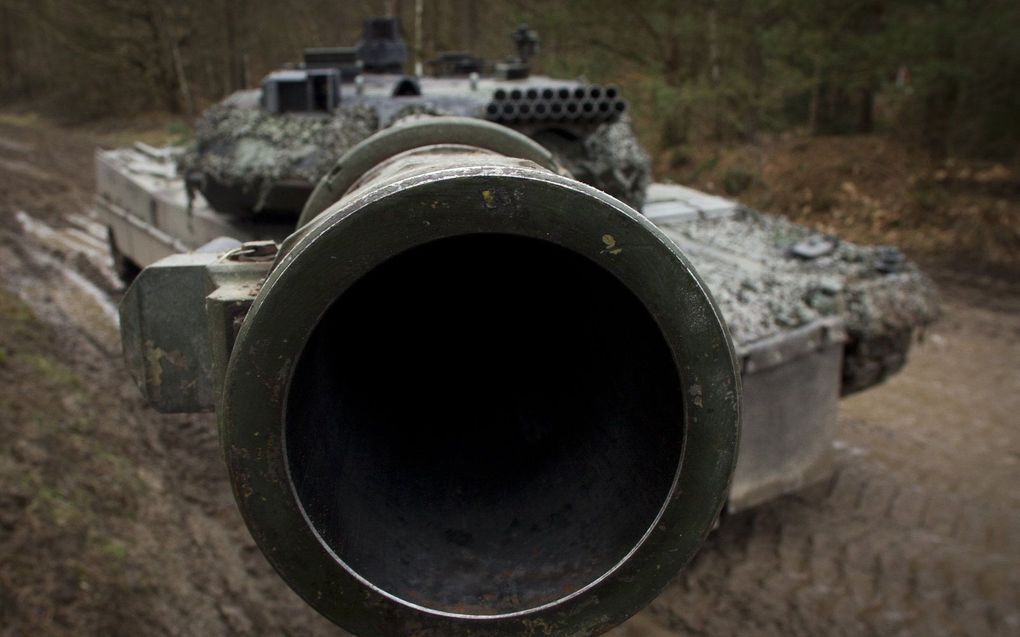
{"points": [[114, 520], [118, 521]]}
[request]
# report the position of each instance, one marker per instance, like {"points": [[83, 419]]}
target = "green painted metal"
{"points": [[476, 199], [178, 323], [165, 344]]}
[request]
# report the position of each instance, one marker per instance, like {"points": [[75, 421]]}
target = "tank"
{"points": [[260, 152], [812, 317], [807, 318], [468, 397]]}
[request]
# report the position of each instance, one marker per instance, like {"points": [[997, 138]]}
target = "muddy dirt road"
{"points": [[118, 521]]}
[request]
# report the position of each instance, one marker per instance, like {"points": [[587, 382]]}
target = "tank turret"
{"points": [[261, 152]]}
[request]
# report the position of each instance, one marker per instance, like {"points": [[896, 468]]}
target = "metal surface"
{"points": [[178, 322], [167, 350], [668, 203], [146, 206], [790, 385]]}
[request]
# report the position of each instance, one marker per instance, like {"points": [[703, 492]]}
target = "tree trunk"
{"points": [[713, 66], [419, 51], [469, 41], [756, 65], [180, 78], [816, 100], [10, 74], [232, 66], [866, 111]]}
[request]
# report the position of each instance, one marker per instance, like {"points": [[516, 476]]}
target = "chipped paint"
{"points": [[153, 367], [696, 393], [489, 198], [610, 243]]}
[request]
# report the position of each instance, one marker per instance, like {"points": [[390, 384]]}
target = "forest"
{"points": [[938, 74]]}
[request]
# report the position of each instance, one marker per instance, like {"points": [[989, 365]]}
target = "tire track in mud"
{"points": [[42, 266], [196, 569]]}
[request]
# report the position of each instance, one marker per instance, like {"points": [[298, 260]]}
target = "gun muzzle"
{"points": [[476, 397]]}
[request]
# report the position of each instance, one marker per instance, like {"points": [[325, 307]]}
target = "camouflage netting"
{"points": [[610, 159], [240, 146], [762, 290], [249, 149]]}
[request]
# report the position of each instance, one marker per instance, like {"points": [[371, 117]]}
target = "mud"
{"points": [[113, 520], [118, 521]]}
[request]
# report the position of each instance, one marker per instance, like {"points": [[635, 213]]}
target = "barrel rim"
{"points": [[522, 201], [403, 137]]}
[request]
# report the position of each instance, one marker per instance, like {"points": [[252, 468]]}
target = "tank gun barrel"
{"points": [[468, 396]]}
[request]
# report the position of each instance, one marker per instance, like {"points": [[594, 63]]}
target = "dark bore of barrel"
{"points": [[503, 447]]}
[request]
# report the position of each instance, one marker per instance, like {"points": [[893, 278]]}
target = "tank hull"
{"points": [[792, 348]]}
